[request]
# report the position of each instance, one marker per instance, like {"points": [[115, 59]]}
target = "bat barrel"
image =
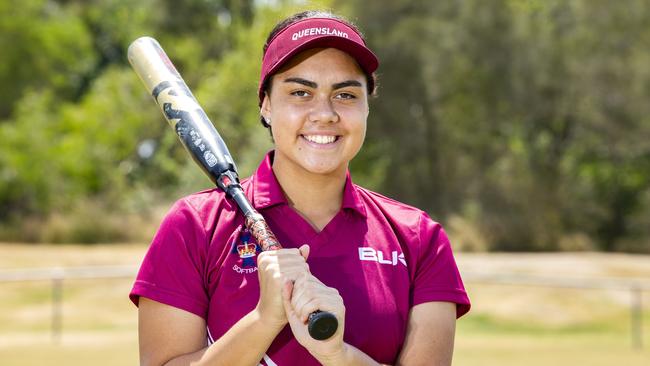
{"points": [[181, 109], [151, 63]]}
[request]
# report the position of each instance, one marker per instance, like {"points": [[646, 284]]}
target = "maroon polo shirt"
{"points": [[383, 257]]}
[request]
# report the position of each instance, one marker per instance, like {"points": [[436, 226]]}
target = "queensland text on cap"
{"points": [[318, 31]]}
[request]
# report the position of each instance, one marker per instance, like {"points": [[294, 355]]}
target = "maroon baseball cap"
{"points": [[315, 33]]}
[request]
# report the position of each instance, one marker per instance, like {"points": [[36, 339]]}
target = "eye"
{"points": [[300, 93], [346, 96]]}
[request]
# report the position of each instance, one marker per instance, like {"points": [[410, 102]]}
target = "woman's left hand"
{"points": [[301, 298]]}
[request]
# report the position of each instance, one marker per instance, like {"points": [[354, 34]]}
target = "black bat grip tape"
{"points": [[322, 325]]}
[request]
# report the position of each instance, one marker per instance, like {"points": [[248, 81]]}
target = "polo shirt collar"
{"points": [[267, 191], [351, 198]]}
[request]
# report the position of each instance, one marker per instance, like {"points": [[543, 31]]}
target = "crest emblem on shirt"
{"points": [[246, 248]]}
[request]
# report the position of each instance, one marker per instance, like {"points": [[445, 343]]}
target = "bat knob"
{"points": [[322, 325]]}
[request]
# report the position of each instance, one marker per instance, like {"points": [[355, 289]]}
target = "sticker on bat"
{"points": [[210, 159]]}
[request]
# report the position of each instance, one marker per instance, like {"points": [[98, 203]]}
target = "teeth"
{"points": [[320, 139]]}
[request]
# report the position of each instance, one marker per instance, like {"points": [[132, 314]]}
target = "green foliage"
{"points": [[527, 118], [522, 124], [25, 156], [45, 46]]}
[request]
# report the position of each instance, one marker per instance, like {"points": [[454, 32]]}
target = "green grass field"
{"points": [[508, 325]]}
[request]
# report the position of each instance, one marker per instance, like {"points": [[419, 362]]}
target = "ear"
{"points": [[265, 109]]}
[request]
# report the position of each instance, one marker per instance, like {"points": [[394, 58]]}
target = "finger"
{"points": [[306, 282], [286, 262], [310, 289], [292, 260], [315, 280], [312, 282], [299, 290], [306, 294], [307, 308], [287, 291], [288, 252], [304, 251], [281, 253]]}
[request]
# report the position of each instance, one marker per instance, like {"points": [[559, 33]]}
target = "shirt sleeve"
{"points": [[436, 276], [172, 271]]}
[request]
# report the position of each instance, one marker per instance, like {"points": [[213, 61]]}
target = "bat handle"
{"points": [[321, 324], [261, 232]]}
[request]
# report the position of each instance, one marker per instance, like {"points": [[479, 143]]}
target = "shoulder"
{"points": [[207, 204], [398, 213], [201, 201], [384, 201], [200, 206], [212, 197]]}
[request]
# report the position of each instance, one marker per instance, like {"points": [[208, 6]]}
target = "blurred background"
{"points": [[523, 126]]}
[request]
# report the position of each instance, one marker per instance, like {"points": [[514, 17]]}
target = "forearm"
{"points": [[351, 356], [244, 344]]}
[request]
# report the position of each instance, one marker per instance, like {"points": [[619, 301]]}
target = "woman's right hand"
{"points": [[274, 269]]}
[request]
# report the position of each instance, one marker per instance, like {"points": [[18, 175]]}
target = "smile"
{"points": [[321, 139]]}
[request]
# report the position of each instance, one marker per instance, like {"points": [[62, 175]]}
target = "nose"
{"points": [[323, 110]]}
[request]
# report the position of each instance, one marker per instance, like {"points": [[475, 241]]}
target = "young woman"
{"points": [[208, 296]]}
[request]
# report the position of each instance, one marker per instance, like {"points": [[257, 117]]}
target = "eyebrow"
{"points": [[346, 83], [312, 84], [301, 81]]}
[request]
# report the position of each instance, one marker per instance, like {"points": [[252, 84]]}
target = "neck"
{"points": [[316, 197]]}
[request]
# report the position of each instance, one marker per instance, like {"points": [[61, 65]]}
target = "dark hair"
{"points": [[370, 79]]}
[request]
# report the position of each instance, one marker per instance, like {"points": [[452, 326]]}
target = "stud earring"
{"points": [[268, 120]]}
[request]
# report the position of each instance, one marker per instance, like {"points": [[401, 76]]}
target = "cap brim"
{"points": [[365, 58]]}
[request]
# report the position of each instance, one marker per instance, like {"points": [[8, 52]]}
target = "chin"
{"points": [[323, 168]]}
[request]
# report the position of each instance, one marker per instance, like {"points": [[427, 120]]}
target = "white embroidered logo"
{"points": [[318, 31], [372, 255]]}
